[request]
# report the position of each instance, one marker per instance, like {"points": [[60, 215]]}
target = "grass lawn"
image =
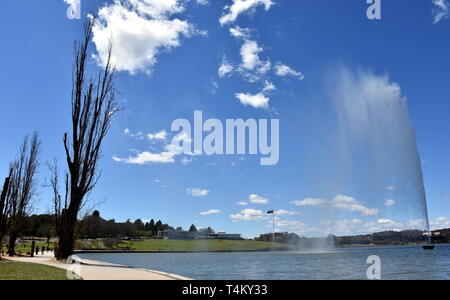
{"points": [[203, 245], [29, 271]]}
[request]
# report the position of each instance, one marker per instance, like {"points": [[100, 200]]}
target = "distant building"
{"points": [[280, 237], [199, 235], [226, 236]]}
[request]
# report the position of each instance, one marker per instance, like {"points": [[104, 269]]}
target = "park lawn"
{"points": [[25, 248], [203, 245], [29, 271]]}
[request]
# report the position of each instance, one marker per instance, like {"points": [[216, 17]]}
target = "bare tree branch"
{"points": [[93, 108]]}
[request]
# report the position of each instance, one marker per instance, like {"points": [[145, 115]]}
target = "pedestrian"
{"points": [[37, 250], [43, 250], [33, 244]]}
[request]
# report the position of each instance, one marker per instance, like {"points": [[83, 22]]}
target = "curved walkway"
{"points": [[95, 270]]}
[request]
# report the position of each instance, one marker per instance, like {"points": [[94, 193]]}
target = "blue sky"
{"points": [[170, 55]]}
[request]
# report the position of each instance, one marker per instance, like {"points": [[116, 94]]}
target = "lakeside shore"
{"points": [[96, 270]]}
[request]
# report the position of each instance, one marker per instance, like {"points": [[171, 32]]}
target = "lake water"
{"points": [[400, 262]]}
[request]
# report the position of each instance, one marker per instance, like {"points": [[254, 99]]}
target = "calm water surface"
{"points": [[409, 262]]}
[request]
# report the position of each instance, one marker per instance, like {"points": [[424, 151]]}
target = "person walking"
{"points": [[33, 244]]}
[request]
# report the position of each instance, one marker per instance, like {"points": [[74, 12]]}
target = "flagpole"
{"points": [[273, 223]]}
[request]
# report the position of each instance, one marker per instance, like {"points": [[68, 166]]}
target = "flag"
{"points": [[270, 212]]}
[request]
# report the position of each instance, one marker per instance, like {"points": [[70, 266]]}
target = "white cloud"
{"points": [[358, 226], [440, 223], [283, 212], [167, 156], [389, 202], [240, 33], [351, 204], [161, 135], [240, 6], [293, 226], [148, 158], [250, 58], [390, 188], [249, 215], [283, 70], [139, 30], [384, 225], [253, 198], [196, 192], [269, 86], [186, 160], [342, 227], [158, 9], [441, 10], [202, 2], [210, 212], [225, 68], [309, 202], [252, 67], [340, 202], [257, 101], [242, 203]]}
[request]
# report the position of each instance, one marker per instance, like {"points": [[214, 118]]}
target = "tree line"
{"points": [[95, 227]]}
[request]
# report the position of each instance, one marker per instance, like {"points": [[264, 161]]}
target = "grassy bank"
{"points": [[29, 271], [202, 245]]}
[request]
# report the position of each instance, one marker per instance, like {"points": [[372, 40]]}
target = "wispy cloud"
{"points": [[256, 199], [440, 223], [309, 202], [210, 212], [249, 215], [389, 202], [339, 202], [441, 10], [197, 192], [167, 156], [240, 6], [284, 212], [283, 70], [258, 100], [225, 69], [161, 135]]}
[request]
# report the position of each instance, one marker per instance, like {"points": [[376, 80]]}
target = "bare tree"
{"points": [[23, 186], [93, 108], [4, 207]]}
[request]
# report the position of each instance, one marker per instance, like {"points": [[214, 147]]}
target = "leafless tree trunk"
{"points": [[23, 186], [4, 208], [93, 108]]}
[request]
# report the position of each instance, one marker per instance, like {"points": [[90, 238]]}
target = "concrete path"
{"points": [[95, 270]]}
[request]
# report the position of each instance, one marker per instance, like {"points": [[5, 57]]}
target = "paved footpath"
{"points": [[95, 270]]}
